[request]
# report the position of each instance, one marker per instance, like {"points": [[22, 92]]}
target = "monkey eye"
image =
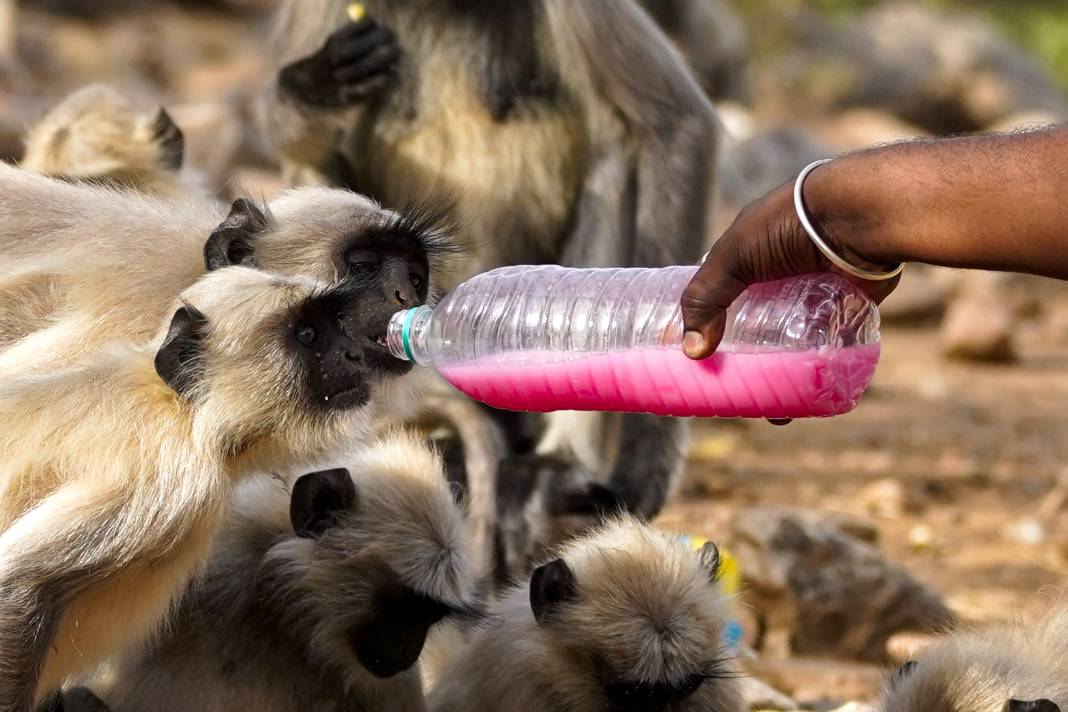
{"points": [[307, 334], [417, 279], [363, 262]]}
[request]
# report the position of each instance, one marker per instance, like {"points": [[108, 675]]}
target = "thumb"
{"points": [[704, 307]]}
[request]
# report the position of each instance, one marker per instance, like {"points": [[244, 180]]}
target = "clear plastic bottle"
{"points": [[544, 338]]}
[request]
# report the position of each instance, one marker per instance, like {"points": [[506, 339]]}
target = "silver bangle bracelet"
{"points": [[802, 215]]}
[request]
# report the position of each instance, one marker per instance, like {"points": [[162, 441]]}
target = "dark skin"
{"points": [[982, 202]]}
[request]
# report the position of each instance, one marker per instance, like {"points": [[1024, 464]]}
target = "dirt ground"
{"points": [[953, 463]]}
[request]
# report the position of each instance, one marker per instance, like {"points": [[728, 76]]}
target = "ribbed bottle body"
{"points": [[551, 338]]}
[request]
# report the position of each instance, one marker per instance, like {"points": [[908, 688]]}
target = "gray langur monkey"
{"points": [[625, 619], [319, 596], [1002, 669], [96, 135], [115, 474], [569, 131]]}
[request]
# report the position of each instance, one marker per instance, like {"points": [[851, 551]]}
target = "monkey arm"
{"points": [[646, 195], [302, 135], [330, 67], [664, 168], [88, 551]]}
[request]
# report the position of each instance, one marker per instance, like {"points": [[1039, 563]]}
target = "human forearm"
{"points": [[986, 202]]}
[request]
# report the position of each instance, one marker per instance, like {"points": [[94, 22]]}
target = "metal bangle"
{"points": [[802, 215]]}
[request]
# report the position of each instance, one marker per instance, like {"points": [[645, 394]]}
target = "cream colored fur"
{"points": [[646, 606], [981, 670], [112, 487]]}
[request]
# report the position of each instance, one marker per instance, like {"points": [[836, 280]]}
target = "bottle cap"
{"points": [[399, 334]]}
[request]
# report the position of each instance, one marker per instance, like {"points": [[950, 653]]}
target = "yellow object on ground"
{"points": [[356, 11]]}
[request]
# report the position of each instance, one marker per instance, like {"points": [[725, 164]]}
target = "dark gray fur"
{"points": [[643, 132]]}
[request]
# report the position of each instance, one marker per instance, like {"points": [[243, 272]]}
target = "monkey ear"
{"points": [[177, 359], [233, 241], [710, 560], [318, 500], [550, 585], [170, 140], [1033, 706]]}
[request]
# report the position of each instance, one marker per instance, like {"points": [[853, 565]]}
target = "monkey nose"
{"points": [[402, 297], [352, 355]]}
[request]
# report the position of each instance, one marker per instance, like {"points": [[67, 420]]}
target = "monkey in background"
{"points": [[568, 130], [95, 135], [320, 593], [115, 474], [1003, 669], [625, 619]]}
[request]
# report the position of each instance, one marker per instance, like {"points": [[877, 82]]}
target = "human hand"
{"points": [[766, 242]]}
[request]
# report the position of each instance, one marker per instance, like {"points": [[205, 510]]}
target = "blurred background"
{"points": [[944, 493]]}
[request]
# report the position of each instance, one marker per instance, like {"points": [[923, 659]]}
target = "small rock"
{"points": [[883, 498], [921, 537], [1027, 531], [980, 323]]}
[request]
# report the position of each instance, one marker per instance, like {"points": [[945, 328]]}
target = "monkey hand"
{"points": [[358, 62]]}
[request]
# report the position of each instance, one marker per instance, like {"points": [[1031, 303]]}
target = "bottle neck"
{"points": [[406, 335]]}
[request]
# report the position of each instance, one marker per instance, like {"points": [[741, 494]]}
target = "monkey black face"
{"points": [[1032, 706], [339, 336], [389, 638], [392, 638], [553, 585], [623, 695]]}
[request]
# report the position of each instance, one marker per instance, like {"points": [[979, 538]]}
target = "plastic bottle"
{"points": [[544, 338]]}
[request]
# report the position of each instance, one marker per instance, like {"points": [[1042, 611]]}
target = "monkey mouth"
{"points": [[379, 340]]}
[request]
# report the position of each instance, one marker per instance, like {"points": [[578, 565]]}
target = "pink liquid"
{"points": [[777, 384]]}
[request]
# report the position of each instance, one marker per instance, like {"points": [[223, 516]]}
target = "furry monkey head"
{"points": [[96, 135], [336, 235], [376, 555], [1001, 669], [273, 365], [624, 619], [641, 615]]}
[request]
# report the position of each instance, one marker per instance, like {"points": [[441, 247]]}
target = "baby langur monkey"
{"points": [[1004, 669], [319, 596], [115, 474], [625, 620], [95, 135]]}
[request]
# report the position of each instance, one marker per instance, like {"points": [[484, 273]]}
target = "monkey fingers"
{"points": [[380, 60], [356, 41], [359, 91]]}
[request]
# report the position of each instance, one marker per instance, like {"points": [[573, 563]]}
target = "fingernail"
{"points": [[693, 344]]}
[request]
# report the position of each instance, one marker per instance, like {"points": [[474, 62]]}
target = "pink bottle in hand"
{"points": [[545, 338]]}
